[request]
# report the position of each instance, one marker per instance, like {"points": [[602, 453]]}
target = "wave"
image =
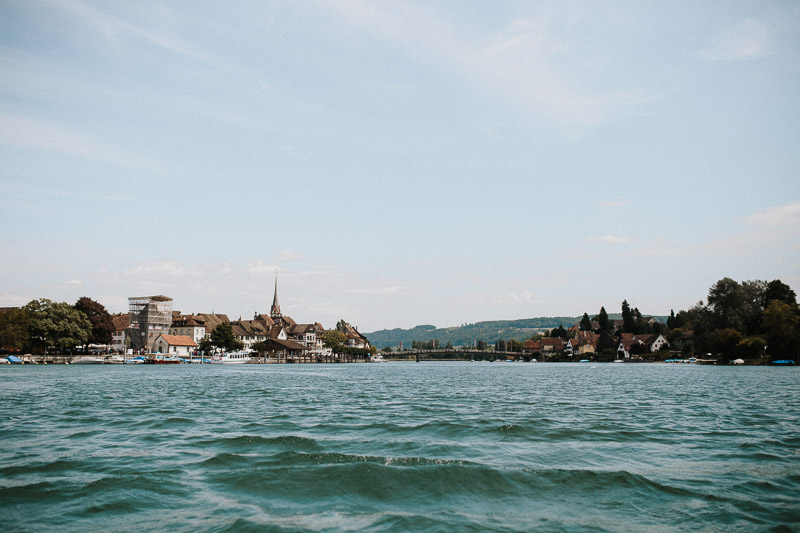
{"points": [[247, 443], [320, 475]]}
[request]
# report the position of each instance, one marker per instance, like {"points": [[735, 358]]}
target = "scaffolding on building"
{"points": [[149, 317]]}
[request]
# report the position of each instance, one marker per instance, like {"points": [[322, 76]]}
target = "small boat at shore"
{"points": [[89, 361], [377, 358], [159, 359]]}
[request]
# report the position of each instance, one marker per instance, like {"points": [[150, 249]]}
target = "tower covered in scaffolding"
{"points": [[149, 317]]}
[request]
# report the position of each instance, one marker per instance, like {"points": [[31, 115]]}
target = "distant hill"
{"points": [[466, 335]]}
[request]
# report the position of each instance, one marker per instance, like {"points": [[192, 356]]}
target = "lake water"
{"points": [[399, 447]]}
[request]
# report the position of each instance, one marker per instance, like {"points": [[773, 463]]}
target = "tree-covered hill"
{"points": [[467, 334]]}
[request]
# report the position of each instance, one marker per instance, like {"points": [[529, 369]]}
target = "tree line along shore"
{"points": [[752, 321], [749, 322]]}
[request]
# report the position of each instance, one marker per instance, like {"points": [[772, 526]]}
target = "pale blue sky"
{"points": [[399, 163]]}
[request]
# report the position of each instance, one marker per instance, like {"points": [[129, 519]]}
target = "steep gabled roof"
{"points": [[212, 320]]}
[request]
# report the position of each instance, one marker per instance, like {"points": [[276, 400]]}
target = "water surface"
{"points": [[399, 447]]}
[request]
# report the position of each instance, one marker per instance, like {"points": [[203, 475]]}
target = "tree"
{"points": [[606, 344], [57, 324], [586, 323], [782, 327], [481, 345], [628, 320], [102, 325], [602, 320], [750, 348], [672, 323], [335, 339], [559, 332], [14, 330], [341, 326], [222, 337], [777, 290], [205, 345], [726, 301], [723, 342]]}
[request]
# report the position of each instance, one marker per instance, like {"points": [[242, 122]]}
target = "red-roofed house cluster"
{"points": [[152, 326]]}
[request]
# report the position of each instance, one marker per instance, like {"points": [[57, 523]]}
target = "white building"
{"points": [[179, 345]]}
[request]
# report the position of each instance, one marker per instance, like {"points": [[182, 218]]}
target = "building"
{"points": [[192, 326], [178, 345], [630, 343], [121, 323], [353, 338], [149, 317]]}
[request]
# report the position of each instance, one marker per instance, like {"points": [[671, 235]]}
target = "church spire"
{"points": [[275, 310]]}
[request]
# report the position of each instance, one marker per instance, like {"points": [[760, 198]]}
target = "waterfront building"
{"points": [[192, 326], [178, 345], [644, 343], [119, 334], [149, 317], [354, 339]]}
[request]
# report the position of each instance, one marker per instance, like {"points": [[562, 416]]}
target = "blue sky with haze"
{"points": [[398, 163]]}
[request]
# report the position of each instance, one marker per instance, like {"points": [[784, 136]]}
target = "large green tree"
{"points": [[723, 342], [777, 290], [102, 325], [57, 324], [14, 330], [782, 327], [223, 337], [334, 339]]}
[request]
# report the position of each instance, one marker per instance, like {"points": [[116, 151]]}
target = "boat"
{"points": [[134, 361], [783, 362], [114, 360], [377, 358], [737, 362], [161, 360], [89, 361], [619, 361], [229, 358]]}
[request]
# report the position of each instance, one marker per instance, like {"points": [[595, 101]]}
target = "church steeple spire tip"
{"points": [[275, 310]]}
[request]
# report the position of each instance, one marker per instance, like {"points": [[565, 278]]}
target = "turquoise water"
{"points": [[399, 447]]}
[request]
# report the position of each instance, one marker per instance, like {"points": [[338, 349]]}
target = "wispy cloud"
{"points": [[114, 29], [521, 62], [609, 239], [622, 201], [787, 216], [31, 191], [380, 291], [288, 255], [747, 39], [28, 132]]}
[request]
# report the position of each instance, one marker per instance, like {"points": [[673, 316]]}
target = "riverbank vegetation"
{"points": [[755, 321]]}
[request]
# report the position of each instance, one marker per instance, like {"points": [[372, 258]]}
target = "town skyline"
{"points": [[400, 163]]}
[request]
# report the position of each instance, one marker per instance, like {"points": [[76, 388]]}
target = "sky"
{"points": [[397, 163]]}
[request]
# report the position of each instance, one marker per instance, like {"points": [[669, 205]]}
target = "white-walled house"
{"points": [[192, 326], [653, 343], [179, 345]]}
